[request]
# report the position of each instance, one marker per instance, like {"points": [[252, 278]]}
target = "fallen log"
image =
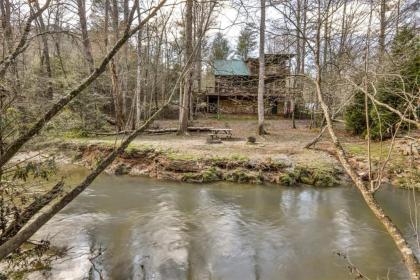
{"points": [[161, 130], [191, 128], [200, 129], [154, 131], [108, 133]]}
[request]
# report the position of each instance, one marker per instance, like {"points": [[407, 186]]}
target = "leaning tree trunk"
{"points": [[45, 215], [261, 77], [18, 238], [55, 109], [407, 254]]}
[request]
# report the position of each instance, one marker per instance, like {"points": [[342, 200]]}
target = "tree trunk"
{"points": [[126, 65], [45, 54], [24, 234], [116, 92], [87, 48], [8, 40], [6, 26], [343, 37], [14, 147], [22, 41], [325, 45], [293, 107], [184, 109], [407, 254], [298, 59], [261, 77], [145, 74], [157, 62], [397, 23], [382, 29], [298, 37], [138, 91], [304, 26]]}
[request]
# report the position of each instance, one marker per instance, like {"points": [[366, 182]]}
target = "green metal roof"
{"points": [[230, 68]]}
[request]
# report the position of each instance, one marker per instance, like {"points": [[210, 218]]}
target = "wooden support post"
{"points": [[218, 106]]}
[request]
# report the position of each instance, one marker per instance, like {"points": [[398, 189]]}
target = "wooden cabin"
{"points": [[235, 87]]}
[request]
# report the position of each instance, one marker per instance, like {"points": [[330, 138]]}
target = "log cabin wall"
{"points": [[236, 85], [244, 105]]}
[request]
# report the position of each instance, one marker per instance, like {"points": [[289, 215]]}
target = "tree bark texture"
{"points": [[261, 77]]}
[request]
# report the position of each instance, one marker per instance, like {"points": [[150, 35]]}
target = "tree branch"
{"points": [[57, 107]]}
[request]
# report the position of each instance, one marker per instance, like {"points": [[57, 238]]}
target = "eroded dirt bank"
{"points": [[166, 165], [283, 144]]}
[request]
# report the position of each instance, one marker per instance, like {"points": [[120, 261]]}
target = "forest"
{"points": [[209, 139]]}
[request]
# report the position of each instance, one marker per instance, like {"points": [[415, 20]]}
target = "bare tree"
{"points": [[13, 236], [138, 91], [81, 10], [382, 28], [30, 223], [14, 147], [187, 84], [316, 45], [261, 74]]}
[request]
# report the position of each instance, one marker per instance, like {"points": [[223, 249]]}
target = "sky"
{"points": [[230, 19]]}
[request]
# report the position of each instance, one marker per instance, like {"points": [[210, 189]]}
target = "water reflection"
{"points": [[155, 230]]}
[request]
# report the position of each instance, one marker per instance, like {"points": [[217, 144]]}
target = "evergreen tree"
{"points": [[247, 42], [220, 47], [355, 117], [405, 64]]}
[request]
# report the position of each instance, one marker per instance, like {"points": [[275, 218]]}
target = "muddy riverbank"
{"points": [[167, 165]]}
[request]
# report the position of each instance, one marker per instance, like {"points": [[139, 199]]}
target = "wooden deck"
{"points": [[269, 93]]}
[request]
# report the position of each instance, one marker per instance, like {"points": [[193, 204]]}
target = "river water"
{"points": [[148, 229]]}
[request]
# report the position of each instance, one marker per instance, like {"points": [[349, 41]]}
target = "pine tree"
{"points": [[404, 62], [247, 42], [220, 47]]}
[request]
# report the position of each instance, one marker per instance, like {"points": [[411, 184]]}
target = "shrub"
{"points": [[287, 179]]}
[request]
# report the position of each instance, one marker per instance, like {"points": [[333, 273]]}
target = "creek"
{"points": [[150, 229]]}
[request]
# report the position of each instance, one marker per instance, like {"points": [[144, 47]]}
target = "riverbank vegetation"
{"points": [[284, 144], [310, 92]]}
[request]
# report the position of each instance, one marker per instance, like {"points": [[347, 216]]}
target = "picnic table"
{"points": [[217, 132]]}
